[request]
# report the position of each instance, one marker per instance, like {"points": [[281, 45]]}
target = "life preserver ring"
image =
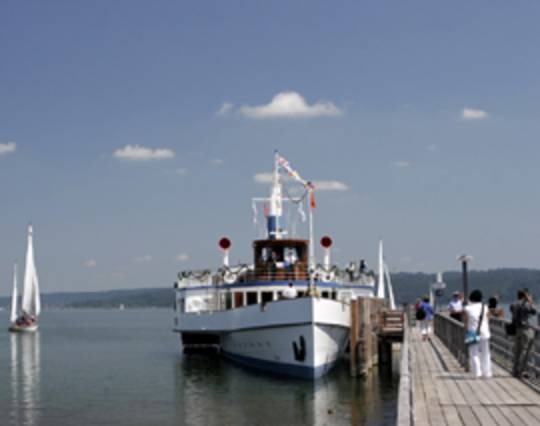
{"points": [[327, 276], [229, 277]]}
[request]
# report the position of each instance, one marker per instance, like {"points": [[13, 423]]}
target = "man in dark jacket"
{"points": [[522, 310]]}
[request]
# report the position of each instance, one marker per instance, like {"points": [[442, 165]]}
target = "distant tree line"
{"points": [[407, 287], [503, 282]]}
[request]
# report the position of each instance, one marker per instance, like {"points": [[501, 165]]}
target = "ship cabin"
{"points": [[276, 263], [280, 260]]}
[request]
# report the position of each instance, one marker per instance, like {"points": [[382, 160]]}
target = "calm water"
{"points": [[125, 368]]}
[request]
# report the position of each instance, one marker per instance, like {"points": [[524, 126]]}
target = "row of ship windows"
{"points": [[250, 345], [238, 299]]}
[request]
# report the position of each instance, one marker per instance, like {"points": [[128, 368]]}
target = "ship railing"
{"points": [[268, 273], [195, 278]]}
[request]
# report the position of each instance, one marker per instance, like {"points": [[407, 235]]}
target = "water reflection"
{"points": [[25, 378], [212, 391]]}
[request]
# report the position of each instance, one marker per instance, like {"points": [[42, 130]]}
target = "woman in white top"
{"points": [[479, 355]]}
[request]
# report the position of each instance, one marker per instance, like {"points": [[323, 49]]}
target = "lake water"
{"points": [[97, 367]]}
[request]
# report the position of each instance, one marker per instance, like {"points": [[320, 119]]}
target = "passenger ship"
{"points": [[241, 310]]}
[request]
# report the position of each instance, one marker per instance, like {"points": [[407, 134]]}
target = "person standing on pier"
{"points": [[477, 321], [425, 315], [522, 310], [456, 307]]}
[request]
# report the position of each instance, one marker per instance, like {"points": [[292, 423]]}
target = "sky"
{"points": [[133, 134]]}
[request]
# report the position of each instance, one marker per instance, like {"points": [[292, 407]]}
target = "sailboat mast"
{"points": [[14, 295], [391, 299], [31, 303], [380, 289]]}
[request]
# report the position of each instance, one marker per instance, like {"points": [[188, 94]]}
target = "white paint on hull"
{"points": [[23, 329], [268, 334]]}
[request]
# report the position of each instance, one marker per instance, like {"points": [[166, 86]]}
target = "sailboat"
{"points": [[31, 303], [384, 277]]}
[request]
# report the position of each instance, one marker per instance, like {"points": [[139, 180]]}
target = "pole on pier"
{"points": [[465, 259]]}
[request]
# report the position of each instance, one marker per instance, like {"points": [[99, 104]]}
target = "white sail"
{"points": [[14, 296], [389, 286], [380, 287], [31, 303]]}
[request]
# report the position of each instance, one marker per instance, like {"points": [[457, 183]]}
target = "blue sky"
{"points": [[421, 116]]}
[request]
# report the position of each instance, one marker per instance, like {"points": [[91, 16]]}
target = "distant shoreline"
{"points": [[408, 286]]}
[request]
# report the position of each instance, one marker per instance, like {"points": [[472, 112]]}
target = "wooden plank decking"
{"points": [[442, 393]]}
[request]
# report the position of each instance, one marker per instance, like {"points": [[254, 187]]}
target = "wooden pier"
{"points": [[436, 389], [374, 329]]}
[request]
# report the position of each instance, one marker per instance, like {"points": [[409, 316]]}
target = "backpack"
{"points": [[421, 313]]}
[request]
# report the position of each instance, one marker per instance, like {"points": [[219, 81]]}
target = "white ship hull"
{"points": [[23, 328], [302, 337]]}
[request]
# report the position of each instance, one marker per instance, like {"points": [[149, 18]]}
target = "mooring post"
{"points": [[367, 337], [353, 339]]}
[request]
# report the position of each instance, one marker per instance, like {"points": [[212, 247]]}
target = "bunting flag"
{"points": [[312, 199], [301, 212], [294, 175], [266, 210], [254, 209]]}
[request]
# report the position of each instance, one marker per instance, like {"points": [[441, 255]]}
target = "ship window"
{"points": [[251, 297], [266, 254], [324, 294], [228, 300], [267, 296], [238, 299], [334, 295], [290, 256], [279, 293], [301, 293]]}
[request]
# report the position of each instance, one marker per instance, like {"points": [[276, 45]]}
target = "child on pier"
{"points": [[476, 320]]}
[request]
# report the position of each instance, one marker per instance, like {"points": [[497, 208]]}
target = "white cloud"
{"points": [[320, 185], [330, 185], [182, 257], [290, 105], [144, 258], [225, 108], [402, 164], [263, 177], [473, 114], [90, 263], [181, 171], [216, 161], [7, 148], [141, 153]]}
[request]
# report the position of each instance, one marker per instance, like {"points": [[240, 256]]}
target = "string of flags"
{"points": [[284, 164]]}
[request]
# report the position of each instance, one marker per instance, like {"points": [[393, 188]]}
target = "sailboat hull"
{"points": [[23, 328]]}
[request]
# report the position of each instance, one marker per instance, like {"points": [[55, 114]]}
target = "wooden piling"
{"points": [[366, 334], [353, 339]]}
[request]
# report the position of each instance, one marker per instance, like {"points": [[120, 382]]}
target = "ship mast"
{"points": [[274, 231], [276, 210]]}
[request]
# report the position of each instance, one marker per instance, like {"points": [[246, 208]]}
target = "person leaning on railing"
{"points": [[522, 310], [493, 307]]}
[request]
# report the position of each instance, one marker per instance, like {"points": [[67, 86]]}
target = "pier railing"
{"points": [[404, 414], [452, 333]]}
